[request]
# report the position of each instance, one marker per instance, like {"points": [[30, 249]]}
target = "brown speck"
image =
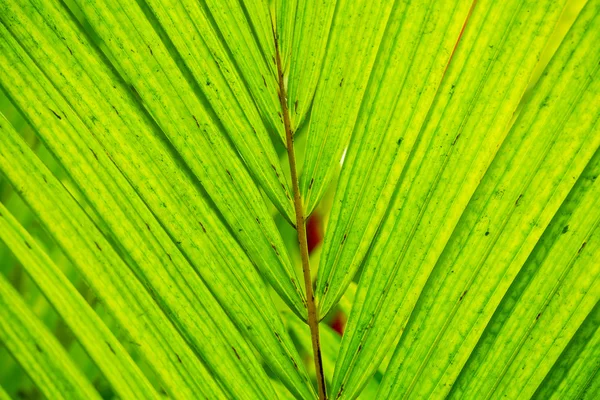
{"points": [[518, 199], [236, 353], [455, 139], [110, 347], [55, 114]]}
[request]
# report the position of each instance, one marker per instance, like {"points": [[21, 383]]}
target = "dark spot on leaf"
{"points": [[565, 229], [68, 48], [582, 247], [98, 246], [518, 199], [277, 336], [399, 142], [487, 233], [296, 106], [463, 295], [202, 226], [168, 255], [229, 173], [178, 358], [258, 220], [150, 48], [341, 82], [55, 114], [115, 110], [27, 244], [197, 124], [147, 226], [538, 316], [312, 180], [275, 249], [95, 156], [110, 347], [455, 139], [38, 348], [236, 353], [344, 238], [264, 81]]}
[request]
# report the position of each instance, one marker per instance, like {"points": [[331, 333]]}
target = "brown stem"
{"points": [[313, 318]]}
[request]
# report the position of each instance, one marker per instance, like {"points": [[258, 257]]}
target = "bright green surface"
{"points": [[142, 160]]}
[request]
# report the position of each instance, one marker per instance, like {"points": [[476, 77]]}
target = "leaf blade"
{"points": [[38, 352], [489, 72], [100, 343]]}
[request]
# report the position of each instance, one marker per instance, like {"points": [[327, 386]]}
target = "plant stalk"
{"points": [[313, 318]]}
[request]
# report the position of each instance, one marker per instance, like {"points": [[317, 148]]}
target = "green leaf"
{"points": [[303, 29], [96, 338], [555, 291], [548, 147], [134, 306], [202, 59], [3, 394], [211, 158], [467, 123], [40, 354], [140, 235], [573, 372], [356, 32], [210, 251], [404, 82], [245, 30]]}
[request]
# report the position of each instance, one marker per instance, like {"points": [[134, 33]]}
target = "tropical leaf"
{"points": [[356, 32], [120, 215], [504, 221], [38, 351], [89, 82], [573, 373], [166, 168], [455, 149], [100, 343], [428, 33]]}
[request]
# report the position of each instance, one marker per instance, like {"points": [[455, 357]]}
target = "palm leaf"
{"points": [[38, 351], [444, 169], [460, 244], [106, 350]]}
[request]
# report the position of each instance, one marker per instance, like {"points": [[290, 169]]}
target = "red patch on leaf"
{"points": [[338, 323], [314, 231]]}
